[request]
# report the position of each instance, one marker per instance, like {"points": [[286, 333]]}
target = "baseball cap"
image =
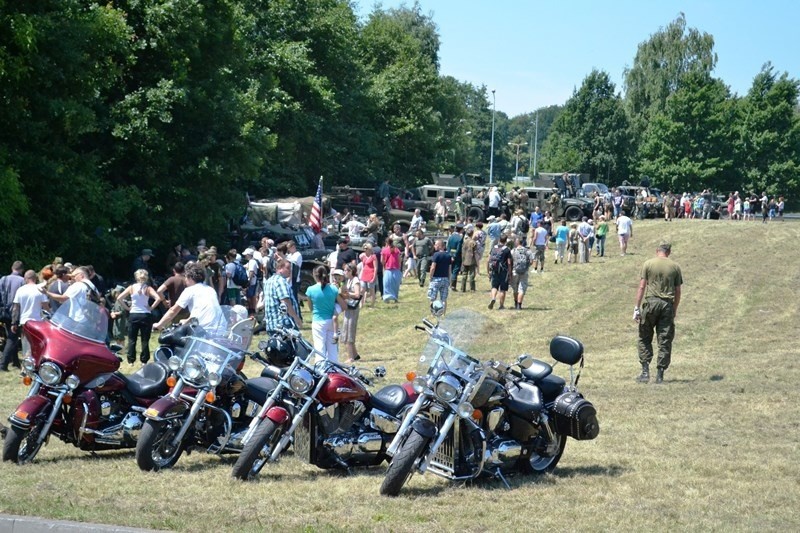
{"points": [[492, 217], [344, 239], [147, 251], [248, 251], [338, 272]]}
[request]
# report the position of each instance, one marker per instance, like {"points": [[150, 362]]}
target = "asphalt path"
{"points": [[30, 524]]}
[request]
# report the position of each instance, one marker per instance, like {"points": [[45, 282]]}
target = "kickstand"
{"points": [[502, 478]]}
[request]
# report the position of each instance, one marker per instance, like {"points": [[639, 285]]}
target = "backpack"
{"points": [[524, 226], [5, 310], [494, 258], [240, 277], [521, 260]]}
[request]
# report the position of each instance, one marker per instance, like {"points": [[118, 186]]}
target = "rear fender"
{"points": [[277, 414], [29, 410], [166, 408]]}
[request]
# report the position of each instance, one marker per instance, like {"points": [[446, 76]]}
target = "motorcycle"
{"points": [[211, 402], [474, 417], [76, 391], [324, 408]]}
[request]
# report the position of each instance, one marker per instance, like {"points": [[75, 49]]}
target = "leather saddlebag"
{"points": [[575, 416]]}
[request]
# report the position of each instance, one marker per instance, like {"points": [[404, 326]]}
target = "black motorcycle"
{"points": [[491, 418]]}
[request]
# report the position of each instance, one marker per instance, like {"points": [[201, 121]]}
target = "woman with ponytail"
{"points": [[322, 300]]}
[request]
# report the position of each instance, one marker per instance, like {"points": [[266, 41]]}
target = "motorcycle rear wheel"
{"points": [[257, 451], [541, 463], [402, 464], [20, 444], [153, 450]]}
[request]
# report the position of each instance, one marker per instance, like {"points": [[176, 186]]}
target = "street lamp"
{"points": [[536, 144], [491, 154], [518, 145]]}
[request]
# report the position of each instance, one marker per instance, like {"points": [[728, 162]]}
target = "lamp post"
{"points": [[518, 145], [536, 144], [491, 154]]}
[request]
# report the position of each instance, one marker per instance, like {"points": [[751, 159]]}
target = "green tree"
{"points": [[660, 64], [769, 138], [689, 145], [591, 134]]}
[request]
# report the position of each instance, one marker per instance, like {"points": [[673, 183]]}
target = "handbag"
{"points": [[353, 303]]}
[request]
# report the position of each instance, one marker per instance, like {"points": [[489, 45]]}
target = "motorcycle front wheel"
{"points": [[20, 444], [402, 464], [154, 450], [544, 460], [257, 451]]}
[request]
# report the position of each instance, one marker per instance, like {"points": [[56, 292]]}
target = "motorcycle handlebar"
{"points": [[420, 328], [428, 323]]}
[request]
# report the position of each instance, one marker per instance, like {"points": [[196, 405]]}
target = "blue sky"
{"points": [[534, 53]]}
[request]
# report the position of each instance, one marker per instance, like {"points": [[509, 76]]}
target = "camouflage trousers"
{"points": [[468, 273], [658, 317]]}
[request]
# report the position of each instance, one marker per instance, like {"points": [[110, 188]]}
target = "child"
{"points": [[411, 262], [338, 281]]}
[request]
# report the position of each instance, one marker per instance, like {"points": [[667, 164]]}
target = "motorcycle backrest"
{"points": [[566, 350]]}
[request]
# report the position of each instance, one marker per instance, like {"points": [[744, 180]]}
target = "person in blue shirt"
{"points": [[561, 233], [322, 300], [536, 216]]}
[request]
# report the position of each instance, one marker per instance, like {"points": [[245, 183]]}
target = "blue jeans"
{"points": [[601, 245]]}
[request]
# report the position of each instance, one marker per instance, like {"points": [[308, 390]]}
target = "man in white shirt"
{"points": [[201, 302], [584, 231], [624, 232], [296, 259], [416, 222], [27, 305], [494, 201], [252, 267]]}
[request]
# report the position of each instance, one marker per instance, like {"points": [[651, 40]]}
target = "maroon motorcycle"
{"points": [[323, 407], [76, 392]]}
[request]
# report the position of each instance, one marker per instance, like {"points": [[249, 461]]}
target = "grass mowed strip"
{"points": [[715, 448]]}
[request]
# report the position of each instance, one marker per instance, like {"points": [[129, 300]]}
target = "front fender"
{"points": [[424, 427], [278, 414], [166, 408], [29, 410]]}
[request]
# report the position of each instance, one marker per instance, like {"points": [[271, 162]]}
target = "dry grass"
{"points": [[715, 448]]}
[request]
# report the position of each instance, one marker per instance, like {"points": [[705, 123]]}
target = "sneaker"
{"points": [[501, 307], [491, 304]]}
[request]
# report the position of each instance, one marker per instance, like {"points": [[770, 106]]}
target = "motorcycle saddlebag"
{"points": [[575, 416]]}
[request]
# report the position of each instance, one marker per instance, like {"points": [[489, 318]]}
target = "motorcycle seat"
{"points": [[390, 399], [537, 371], [522, 401], [148, 382], [259, 389]]}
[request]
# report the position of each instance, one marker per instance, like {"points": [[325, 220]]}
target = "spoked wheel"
{"points": [[154, 450], [402, 464], [257, 451], [20, 444], [545, 457]]}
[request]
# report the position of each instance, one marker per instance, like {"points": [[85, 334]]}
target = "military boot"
{"points": [[453, 285], [472, 285], [464, 284], [644, 377], [660, 376]]}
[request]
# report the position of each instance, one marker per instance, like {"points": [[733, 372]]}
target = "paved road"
{"points": [[30, 524]]}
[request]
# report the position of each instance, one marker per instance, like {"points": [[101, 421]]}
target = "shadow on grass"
{"points": [[517, 480], [103, 455]]}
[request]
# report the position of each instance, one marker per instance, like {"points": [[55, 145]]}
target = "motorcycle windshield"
{"points": [[217, 350], [453, 341], [83, 318]]}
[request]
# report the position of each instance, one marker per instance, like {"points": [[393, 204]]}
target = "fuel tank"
{"points": [[74, 354], [342, 388]]}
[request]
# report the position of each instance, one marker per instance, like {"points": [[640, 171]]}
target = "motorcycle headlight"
{"points": [[419, 384], [194, 369], [73, 381], [174, 363], [465, 410], [301, 381], [447, 388], [29, 365], [50, 373]]}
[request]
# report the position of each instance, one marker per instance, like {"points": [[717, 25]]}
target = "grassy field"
{"points": [[714, 448]]}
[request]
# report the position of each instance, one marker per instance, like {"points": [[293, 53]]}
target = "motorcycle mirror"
{"points": [[525, 361], [437, 308]]}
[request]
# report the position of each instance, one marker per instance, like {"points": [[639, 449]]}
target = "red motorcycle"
{"points": [[75, 391], [323, 407]]}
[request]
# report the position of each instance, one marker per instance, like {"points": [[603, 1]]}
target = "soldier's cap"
{"points": [[665, 246], [147, 251], [459, 226], [344, 239]]}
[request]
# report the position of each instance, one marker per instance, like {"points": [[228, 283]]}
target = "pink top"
{"points": [[368, 267], [390, 258]]}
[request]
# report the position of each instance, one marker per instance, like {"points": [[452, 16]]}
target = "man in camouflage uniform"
{"points": [[555, 203], [660, 286], [423, 249], [469, 259]]}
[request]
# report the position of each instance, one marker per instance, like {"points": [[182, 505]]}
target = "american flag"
{"points": [[316, 210]]}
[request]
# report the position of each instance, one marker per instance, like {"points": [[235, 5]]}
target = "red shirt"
{"points": [[397, 203], [390, 258], [368, 265]]}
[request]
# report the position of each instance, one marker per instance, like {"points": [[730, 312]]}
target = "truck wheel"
{"points": [[573, 213], [476, 214]]}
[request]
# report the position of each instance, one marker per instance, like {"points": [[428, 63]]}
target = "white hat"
{"points": [[338, 272], [248, 251], [492, 217]]}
